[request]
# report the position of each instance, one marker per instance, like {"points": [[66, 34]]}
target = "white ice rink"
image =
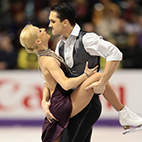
{"points": [[100, 134]]}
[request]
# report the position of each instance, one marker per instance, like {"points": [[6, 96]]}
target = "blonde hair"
{"points": [[27, 39]]}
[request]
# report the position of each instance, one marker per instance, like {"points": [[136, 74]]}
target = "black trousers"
{"points": [[80, 126]]}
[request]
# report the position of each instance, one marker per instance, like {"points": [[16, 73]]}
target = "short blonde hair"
{"points": [[27, 39]]}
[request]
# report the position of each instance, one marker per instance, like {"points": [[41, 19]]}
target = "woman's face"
{"points": [[42, 34]]}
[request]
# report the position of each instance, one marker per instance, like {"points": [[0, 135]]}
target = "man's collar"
{"points": [[75, 32]]}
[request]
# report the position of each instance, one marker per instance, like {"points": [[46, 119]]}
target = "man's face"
{"points": [[55, 24]]}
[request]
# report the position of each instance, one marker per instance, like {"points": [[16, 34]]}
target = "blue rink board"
{"points": [[8, 122]]}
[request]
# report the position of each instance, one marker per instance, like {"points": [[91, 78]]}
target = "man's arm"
{"points": [[96, 46], [99, 86], [110, 68]]}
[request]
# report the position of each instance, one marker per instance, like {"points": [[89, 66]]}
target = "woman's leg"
{"points": [[80, 97], [58, 139]]}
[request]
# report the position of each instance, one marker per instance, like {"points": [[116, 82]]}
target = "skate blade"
{"points": [[132, 130], [126, 127]]}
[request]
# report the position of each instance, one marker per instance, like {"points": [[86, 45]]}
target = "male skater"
{"points": [[76, 47]]}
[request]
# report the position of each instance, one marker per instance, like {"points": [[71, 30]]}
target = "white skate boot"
{"points": [[127, 118]]}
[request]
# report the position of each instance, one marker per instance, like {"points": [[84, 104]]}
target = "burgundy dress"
{"points": [[61, 107]]}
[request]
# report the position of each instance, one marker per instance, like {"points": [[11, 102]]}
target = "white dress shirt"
{"points": [[93, 44]]}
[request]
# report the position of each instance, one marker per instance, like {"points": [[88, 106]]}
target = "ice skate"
{"points": [[127, 118], [132, 130]]}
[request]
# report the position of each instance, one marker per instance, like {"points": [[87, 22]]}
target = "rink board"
{"points": [[21, 94]]}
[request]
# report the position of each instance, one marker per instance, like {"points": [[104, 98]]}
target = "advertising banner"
{"points": [[21, 94]]}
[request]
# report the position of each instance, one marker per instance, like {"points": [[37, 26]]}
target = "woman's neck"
{"points": [[43, 47]]}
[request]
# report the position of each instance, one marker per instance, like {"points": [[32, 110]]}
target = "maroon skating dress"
{"points": [[61, 107]]}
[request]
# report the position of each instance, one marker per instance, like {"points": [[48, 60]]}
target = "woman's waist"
{"points": [[59, 91]]}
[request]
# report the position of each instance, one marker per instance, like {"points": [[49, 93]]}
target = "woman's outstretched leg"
{"points": [[81, 97]]}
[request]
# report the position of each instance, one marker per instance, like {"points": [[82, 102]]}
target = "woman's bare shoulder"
{"points": [[48, 61]]}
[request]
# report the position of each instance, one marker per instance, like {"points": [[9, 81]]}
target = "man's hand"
{"points": [[97, 88], [48, 114]]}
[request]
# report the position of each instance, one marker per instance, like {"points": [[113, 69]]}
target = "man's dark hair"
{"points": [[65, 11]]}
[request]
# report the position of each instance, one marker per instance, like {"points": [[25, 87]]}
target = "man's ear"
{"points": [[37, 41], [65, 22]]}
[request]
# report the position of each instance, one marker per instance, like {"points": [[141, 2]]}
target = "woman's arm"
{"points": [[53, 67], [46, 104], [45, 95]]}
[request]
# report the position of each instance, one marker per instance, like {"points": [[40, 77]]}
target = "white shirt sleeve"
{"points": [[95, 45]]}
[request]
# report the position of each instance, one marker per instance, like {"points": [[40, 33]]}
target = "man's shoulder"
{"points": [[89, 36]]}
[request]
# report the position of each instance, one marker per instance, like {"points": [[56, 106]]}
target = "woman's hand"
{"points": [[88, 71], [48, 114]]}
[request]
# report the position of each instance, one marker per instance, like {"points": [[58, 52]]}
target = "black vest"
{"points": [[80, 56]]}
